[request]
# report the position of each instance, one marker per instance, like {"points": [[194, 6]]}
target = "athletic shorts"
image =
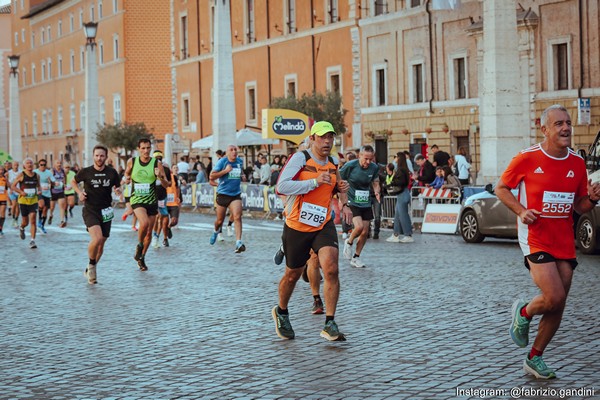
{"points": [[297, 244], [92, 217], [127, 199], [13, 196], [365, 213], [27, 209], [46, 201], [224, 200], [163, 211], [3, 202], [69, 194], [542, 257], [56, 196], [151, 209], [173, 211]]}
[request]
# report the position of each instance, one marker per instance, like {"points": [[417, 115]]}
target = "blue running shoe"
{"points": [[43, 229], [213, 237]]}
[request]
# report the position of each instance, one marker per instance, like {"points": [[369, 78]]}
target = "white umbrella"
{"points": [[244, 137]]}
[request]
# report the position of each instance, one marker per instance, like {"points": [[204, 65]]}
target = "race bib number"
{"points": [[142, 189], [68, 187], [161, 203], [45, 186], [2, 189], [170, 198], [58, 185], [235, 173], [362, 196], [557, 204], [29, 193], [107, 214], [312, 214]]}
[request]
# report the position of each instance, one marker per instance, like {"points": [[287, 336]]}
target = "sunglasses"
{"points": [[42, 165]]}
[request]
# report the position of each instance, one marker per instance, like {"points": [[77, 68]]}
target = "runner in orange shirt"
{"points": [[552, 182]]}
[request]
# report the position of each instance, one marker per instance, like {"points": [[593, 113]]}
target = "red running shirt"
{"points": [[549, 185]]}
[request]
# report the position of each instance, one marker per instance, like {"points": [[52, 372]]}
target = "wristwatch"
{"points": [[594, 202]]}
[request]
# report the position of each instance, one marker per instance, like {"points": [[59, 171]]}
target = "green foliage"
{"points": [[318, 106], [123, 136]]}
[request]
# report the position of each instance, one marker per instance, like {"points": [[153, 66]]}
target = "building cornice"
{"points": [[473, 102]]}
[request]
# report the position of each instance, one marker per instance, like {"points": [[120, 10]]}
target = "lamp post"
{"points": [[15, 146], [92, 112]]}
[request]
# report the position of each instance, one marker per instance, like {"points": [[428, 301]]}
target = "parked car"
{"points": [[483, 215]]}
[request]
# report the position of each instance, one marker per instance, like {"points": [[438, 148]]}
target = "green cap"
{"points": [[321, 128]]}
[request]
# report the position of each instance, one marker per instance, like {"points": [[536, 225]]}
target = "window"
{"points": [[44, 123], [43, 36], [117, 108], [416, 89], [414, 3], [81, 58], [60, 66], [24, 76], [72, 118], [184, 37], [559, 71], [49, 68], [458, 78], [23, 35], [251, 102], [59, 31], [16, 39], [72, 61], [80, 18], [100, 9], [332, 11], [379, 7], [334, 79], [115, 6], [50, 123], [290, 85], [100, 52], [32, 39], [379, 85], [43, 71], [250, 36], [49, 30], [60, 119], [82, 119], [102, 111], [186, 111], [92, 13], [71, 22], [290, 16], [34, 123], [33, 74], [116, 47], [26, 127]]}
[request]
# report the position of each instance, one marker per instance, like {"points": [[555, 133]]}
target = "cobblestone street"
{"points": [[425, 320]]}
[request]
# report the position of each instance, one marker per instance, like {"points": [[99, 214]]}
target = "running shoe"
{"points": [[166, 243], [356, 262], [90, 274], [1, 233], [393, 239], [169, 233], [142, 264], [22, 233], [239, 246], [43, 229], [213, 237], [229, 230], [138, 252], [15, 223], [32, 244], [278, 257], [332, 333], [283, 327], [71, 213], [154, 241], [63, 224], [347, 250], [220, 237], [519, 327], [538, 368], [407, 239], [123, 217], [134, 228], [318, 307], [39, 224], [376, 236], [50, 219]]}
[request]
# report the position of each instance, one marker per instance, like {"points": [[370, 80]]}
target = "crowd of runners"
{"points": [[551, 177]]}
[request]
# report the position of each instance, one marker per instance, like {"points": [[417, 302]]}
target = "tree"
{"points": [[123, 136], [318, 106]]}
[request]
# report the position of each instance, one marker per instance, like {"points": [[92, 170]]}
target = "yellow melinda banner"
{"points": [[285, 124]]}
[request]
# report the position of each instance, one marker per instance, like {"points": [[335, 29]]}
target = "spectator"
{"points": [[201, 174], [463, 168], [400, 183], [265, 171], [426, 172], [409, 163], [274, 174], [450, 181], [439, 179], [440, 157], [184, 168], [276, 161]]}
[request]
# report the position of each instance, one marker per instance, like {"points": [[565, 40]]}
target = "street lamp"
{"points": [[92, 102], [15, 145]]}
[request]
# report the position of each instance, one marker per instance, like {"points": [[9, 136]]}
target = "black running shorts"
{"points": [[224, 200], [366, 213], [151, 209], [92, 217], [542, 257], [297, 244]]}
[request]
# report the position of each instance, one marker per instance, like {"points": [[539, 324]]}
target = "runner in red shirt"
{"points": [[552, 182]]}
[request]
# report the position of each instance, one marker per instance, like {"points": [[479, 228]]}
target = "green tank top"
{"points": [[143, 182], [68, 188]]}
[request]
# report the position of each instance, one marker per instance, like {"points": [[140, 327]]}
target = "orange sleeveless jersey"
{"points": [[549, 185], [303, 211], [3, 188], [172, 198]]}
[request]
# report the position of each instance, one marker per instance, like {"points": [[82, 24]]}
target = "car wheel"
{"points": [[586, 237], [469, 228]]}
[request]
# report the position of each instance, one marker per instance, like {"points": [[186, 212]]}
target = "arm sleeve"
{"points": [[286, 184]]}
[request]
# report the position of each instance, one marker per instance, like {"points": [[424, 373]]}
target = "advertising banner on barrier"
{"points": [[275, 202], [253, 197], [204, 195], [441, 218]]}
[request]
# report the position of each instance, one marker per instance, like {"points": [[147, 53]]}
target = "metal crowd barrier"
{"points": [[423, 196], [388, 208]]}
